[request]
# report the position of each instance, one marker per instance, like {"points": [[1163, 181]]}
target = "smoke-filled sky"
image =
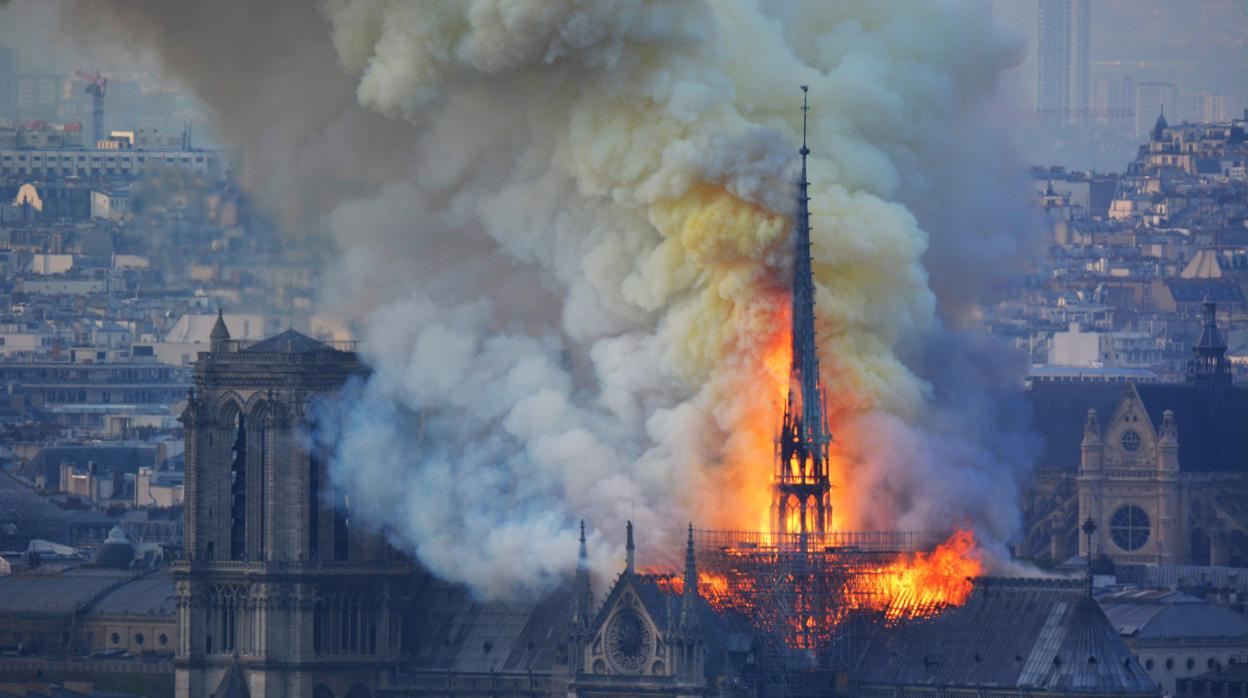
{"points": [[562, 231]]}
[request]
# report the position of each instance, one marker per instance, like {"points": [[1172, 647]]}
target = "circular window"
{"points": [[114, 638], [1148, 664], [138, 638], [164, 639], [1130, 441], [1191, 664], [1129, 527], [1169, 665], [1209, 663], [629, 642]]}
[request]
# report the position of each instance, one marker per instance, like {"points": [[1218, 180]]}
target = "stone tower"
{"points": [[279, 595]]}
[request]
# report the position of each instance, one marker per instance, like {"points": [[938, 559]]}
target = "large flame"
{"points": [[916, 585], [924, 583]]}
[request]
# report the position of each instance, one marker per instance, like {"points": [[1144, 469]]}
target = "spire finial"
{"points": [[630, 551], [805, 109]]}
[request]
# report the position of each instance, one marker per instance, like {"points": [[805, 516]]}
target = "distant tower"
{"points": [[800, 486], [279, 594], [1063, 44], [1208, 364]]}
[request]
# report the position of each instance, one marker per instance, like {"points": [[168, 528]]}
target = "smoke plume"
{"points": [[563, 234]]}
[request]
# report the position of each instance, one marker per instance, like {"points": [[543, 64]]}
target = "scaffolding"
{"points": [[808, 599]]}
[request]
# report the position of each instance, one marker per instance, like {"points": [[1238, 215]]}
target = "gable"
{"points": [[1129, 437]]}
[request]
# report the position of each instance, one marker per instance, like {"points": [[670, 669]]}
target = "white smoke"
{"points": [[570, 288]]}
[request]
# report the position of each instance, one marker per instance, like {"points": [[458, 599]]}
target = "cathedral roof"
{"points": [[1160, 126], [1039, 634], [455, 632], [290, 342]]}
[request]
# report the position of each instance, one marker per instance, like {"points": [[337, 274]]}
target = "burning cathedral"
{"points": [[280, 596]]}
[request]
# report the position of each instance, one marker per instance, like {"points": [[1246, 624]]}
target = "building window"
{"points": [[314, 505], [1129, 527], [1131, 441], [342, 528], [1169, 665], [138, 638], [1148, 664], [238, 488], [114, 638], [163, 639], [1191, 664]]}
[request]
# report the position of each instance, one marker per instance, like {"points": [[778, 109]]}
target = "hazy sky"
{"points": [[1202, 45]]}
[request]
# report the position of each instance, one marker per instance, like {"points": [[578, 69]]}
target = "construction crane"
{"points": [[95, 88]]}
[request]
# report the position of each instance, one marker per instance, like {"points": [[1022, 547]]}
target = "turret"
{"points": [[1208, 364], [220, 333], [1092, 447], [1159, 128], [1168, 444]]}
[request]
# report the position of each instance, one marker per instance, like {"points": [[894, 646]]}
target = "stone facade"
{"points": [[1157, 467], [278, 589]]}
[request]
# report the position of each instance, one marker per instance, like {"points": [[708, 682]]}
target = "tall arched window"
{"points": [[238, 491], [342, 527]]}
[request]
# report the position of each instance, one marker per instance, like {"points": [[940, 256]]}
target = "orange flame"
{"points": [[924, 583]]}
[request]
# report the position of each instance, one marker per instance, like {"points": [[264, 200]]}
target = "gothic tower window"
{"points": [[342, 527], [238, 491], [314, 505]]}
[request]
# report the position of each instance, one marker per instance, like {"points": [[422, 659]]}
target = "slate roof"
{"points": [[1172, 615], [454, 632], [290, 342], [55, 594], [1059, 411], [1222, 290], [1209, 418], [151, 595], [1038, 634], [31, 514]]}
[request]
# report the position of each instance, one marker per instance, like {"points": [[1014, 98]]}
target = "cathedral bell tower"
{"points": [[800, 484], [279, 595]]}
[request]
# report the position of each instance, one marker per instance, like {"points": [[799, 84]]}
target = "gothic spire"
{"points": [[583, 596], [630, 551], [801, 470], [688, 612]]}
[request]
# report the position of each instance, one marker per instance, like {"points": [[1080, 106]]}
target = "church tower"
{"points": [[279, 595], [800, 486], [1208, 365]]}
